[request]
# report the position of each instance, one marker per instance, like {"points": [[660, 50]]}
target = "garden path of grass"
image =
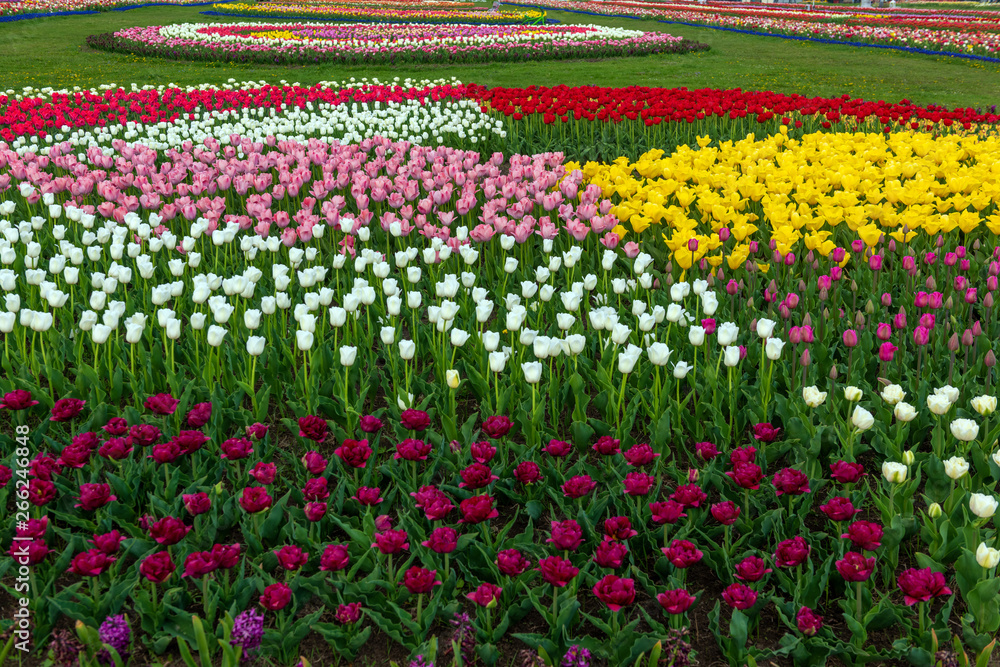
{"points": [[51, 52]]}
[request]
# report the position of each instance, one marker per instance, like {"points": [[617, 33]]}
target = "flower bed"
{"points": [[57, 6], [342, 12], [976, 40], [385, 43], [262, 387]]}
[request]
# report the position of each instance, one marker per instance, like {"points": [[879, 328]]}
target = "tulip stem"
{"points": [[858, 608]]}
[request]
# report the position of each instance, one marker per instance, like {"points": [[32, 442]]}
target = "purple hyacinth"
{"points": [[420, 662], [576, 656], [114, 632], [248, 631]]}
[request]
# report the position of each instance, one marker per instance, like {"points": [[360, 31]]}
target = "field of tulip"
{"points": [[391, 14], [961, 32], [441, 374], [57, 6], [385, 43]]}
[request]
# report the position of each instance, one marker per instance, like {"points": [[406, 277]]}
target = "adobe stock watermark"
{"points": [[21, 547]]}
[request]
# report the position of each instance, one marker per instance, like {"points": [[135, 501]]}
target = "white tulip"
{"points": [[965, 430], [215, 335], [620, 334], [100, 333], [491, 340], [983, 506], [681, 369], [904, 412], [87, 320], [696, 335], [459, 337], [956, 467], [338, 316], [255, 346], [984, 405], [731, 356], [727, 333], [532, 371], [861, 419], [813, 397], [773, 348], [852, 393], [348, 354], [894, 473], [765, 327], [938, 404], [6, 322], [893, 394], [949, 392], [251, 319], [407, 348], [987, 556], [173, 328], [576, 343], [498, 360], [628, 358]]}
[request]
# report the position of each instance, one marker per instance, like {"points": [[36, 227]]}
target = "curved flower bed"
{"points": [[921, 35], [260, 391], [340, 12], [43, 7], [307, 43]]}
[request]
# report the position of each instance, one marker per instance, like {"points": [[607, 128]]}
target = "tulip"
{"points": [[532, 370], [813, 397], [984, 405], [304, 340], [894, 473], [215, 335], [773, 348], [904, 412], [982, 505], [893, 394], [407, 350], [965, 430], [852, 393], [986, 556], [765, 328], [348, 354], [861, 419], [255, 345]]}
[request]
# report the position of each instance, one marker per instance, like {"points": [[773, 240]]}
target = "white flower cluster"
{"points": [[432, 123]]}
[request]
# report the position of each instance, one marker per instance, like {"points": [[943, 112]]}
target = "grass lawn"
{"points": [[51, 52]]}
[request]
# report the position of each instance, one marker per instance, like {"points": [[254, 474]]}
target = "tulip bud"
{"points": [[953, 343], [967, 338], [949, 303], [804, 359], [990, 360], [869, 307], [934, 510], [854, 285], [908, 457], [833, 372], [453, 379], [931, 283], [859, 320]]}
